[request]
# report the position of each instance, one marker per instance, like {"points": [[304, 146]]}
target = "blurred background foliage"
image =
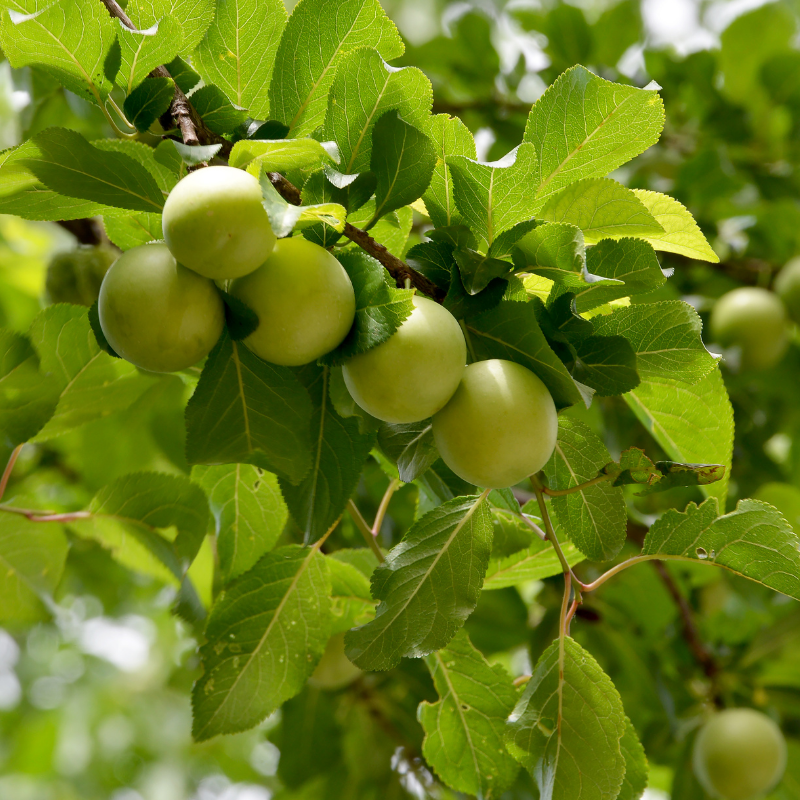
{"points": [[94, 697]]}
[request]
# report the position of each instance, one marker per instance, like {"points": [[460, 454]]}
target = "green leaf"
{"points": [[630, 260], [337, 453], [69, 39], [478, 270], [239, 49], [365, 89], [402, 160], [66, 163], [294, 158], [534, 563], [566, 728], [133, 230], [554, 251], [681, 234], [494, 197], [602, 209], [464, 729], [666, 337], [694, 424], [27, 397], [585, 127], [380, 307], [410, 446], [607, 364], [264, 635], [285, 217], [218, 113], [90, 383], [144, 50], [249, 513], [150, 522], [184, 75], [195, 16], [248, 411], [310, 51], [192, 155], [595, 517], [450, 137], [32, 557], [428, 585], [511, 331], [148, 101], [754, 541], [391, 230], [351, 601], [636, 770]]}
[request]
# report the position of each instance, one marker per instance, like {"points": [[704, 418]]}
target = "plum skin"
{"points": [[787, 287], [739, 754], [413, 374], [304, 300], [335, 670], [214, 223], [157, 314], [754, 320], [500, 426]]}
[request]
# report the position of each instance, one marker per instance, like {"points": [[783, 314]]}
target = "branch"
{"points": [[86, 231]]}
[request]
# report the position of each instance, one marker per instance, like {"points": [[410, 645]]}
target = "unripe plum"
{"points": [[304, 301], [157, 314], [335, 670], [739, 754], [499, 427], [413, 374], [76, 276], [755, 321], [787, 287], [215, 224]]}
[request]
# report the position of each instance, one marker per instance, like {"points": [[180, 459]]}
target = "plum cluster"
{"points": [[160, 308]]}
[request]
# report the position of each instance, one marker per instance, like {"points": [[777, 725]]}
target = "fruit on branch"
{"points": [[335, 670], [215, 224], [157, 314], [787, 287], [739, 754], [304, 301], [413, 374], [75, 276], [755, 321], [499, 427]]}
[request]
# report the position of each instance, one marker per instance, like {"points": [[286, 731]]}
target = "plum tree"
{"points": [[215, 224], [499, 427], [335, 670], [413, 374], [787, 287], [755, 321], [76, 276], [157, 314], [739, 754], [304, 301]]}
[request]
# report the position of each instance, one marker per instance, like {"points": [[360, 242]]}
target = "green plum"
{"points": [[335, 670], [215, 224], [739, 754], [304, 300], [755, 321], [787, 287], [499, 427], [413, 374], [76, 276], [157, 314]]}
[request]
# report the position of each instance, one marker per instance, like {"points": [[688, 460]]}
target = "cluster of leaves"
{"points": [[542, 257]]}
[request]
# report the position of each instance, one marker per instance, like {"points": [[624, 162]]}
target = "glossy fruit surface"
{"points": [[739, 754], [157, 314], [214, 223], [304, 301], [415, 371], [335, 670], [755, 321], [499, 427], [787, 287]]}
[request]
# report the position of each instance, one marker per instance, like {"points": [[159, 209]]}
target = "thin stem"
{"points": [[394, 485], [548, 525], [361, 524], [563, 628], [522, 680], [47, 516], [631, 562], [574, 489], [524, 518], [9, 468], [122, 116]]}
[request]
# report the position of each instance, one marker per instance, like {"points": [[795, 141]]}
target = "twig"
{"points": [[394, 485], [35, 515], [691, 634], [362, 526], [9, 468]]}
